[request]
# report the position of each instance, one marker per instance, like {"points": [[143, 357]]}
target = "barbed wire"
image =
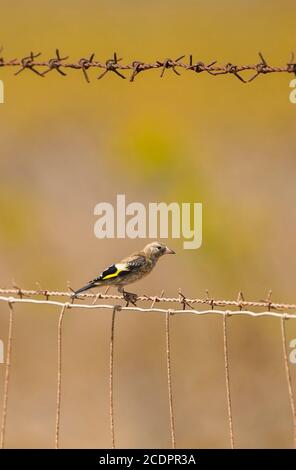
{"points": [[273, 308], [21, 296], [114, 65]]}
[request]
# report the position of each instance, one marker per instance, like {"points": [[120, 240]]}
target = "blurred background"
{"points": [[67, 145]]}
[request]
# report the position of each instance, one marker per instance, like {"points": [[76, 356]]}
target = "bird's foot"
{"points": [[129, 297]]}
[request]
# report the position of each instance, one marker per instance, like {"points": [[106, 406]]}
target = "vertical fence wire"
{"points": [[7, 375], [59, 379], [227, 379], [289, 378], [169, 377], [111, 384]]}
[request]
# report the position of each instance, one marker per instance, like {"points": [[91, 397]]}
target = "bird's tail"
{"points": [[88, 286]]}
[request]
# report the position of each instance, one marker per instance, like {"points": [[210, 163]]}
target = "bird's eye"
{"points": [[159, 247]]}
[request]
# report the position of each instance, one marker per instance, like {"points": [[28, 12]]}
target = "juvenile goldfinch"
{"points": [[129, 270]]}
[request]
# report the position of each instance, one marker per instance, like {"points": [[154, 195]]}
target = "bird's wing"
{"points": [[126, 266], [113, 271], [135, 261]]}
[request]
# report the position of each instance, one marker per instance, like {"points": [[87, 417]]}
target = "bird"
{"points": [[129, 270]]}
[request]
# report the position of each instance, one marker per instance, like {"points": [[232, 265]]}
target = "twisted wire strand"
{"points": [[211, 311], [114, 65], [181, 299]]}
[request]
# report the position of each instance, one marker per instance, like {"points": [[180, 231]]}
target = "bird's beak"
{"points": [[168, 251]]}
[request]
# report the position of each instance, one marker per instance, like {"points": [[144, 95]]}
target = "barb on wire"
{"points": [[7, 376], [137, 68], [183, 300], [27, 62], [170, 64], [262, 67], [240, 299], [1, 58], [55, 64], [210, 301], [156, 299], [198, 66], [58, 63], [85, 65], [112, 65], [291, 64]]}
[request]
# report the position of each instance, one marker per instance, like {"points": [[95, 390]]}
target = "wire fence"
{"points": [[60, 64], [227, 308]]}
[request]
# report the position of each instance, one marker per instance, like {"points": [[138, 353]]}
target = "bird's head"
{"points": [[155, 250]]}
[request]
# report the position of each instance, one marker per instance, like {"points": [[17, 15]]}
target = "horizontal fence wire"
{"points": [[273, 308], [206, 306], [60, 64]]}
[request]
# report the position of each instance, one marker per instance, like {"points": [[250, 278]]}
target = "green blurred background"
{"points": [[66, 145]]}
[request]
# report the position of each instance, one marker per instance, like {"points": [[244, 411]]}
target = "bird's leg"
{"points": [[128, 296]]}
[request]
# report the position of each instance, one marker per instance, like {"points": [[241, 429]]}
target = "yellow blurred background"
{"points": [[67, 145]]}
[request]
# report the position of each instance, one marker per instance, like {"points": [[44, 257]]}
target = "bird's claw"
{"points": [[129, 297]]}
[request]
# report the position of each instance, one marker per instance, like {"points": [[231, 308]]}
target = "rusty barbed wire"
{"points": [[60, 64], [213, 311], [181, 299]]}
